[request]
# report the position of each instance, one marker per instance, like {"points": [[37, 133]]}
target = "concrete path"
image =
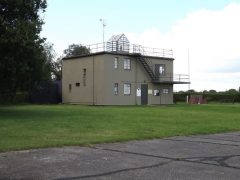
{"points": [[194, 157]]}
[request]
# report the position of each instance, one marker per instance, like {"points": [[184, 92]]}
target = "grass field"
{"points": [[34, 126]]}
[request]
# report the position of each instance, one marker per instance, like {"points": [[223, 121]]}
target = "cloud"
{"points": [[230, 66], [213, 40]]}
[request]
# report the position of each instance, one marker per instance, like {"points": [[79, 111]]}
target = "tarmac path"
{"points": [[193, 157]]}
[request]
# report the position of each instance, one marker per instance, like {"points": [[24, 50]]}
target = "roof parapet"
{"points": [[130, 49]]}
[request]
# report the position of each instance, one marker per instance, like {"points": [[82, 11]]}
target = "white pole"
{"points": [[189, 69]]}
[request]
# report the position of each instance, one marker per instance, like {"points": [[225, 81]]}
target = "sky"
{"points": [[203, 34]]}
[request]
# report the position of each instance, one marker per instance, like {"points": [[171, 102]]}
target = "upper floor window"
{"points": [[127, 64], [161, 69], [115, 63]]}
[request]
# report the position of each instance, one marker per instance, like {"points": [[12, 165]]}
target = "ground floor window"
{"points": [[70, 88], [156, 92], [127, 88], [84, 76], [115, 88], [165, 91]]}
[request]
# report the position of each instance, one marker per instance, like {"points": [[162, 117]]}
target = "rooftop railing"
{"points": [[130, 48]]}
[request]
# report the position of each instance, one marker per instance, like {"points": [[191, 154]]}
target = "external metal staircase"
{"points": [[167, 78], [119, 44], [148, 67]]}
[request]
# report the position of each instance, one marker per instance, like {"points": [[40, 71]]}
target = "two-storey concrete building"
{"points": [[117, 73]]}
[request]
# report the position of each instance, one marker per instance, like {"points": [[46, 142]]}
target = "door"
{"points": [[160, 69], [144, 94]]}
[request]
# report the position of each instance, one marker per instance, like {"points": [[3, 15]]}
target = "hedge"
{"points": [[14, 99], [210, 97]]}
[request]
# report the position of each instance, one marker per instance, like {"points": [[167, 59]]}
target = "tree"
{"points": [[212, 91], [49, 66], [57, 69], [22, 60], [232, 91], [52, 67], [191, 91], [75, 50]]}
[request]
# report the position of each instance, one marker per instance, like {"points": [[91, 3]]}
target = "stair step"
{"points": [[145, 63]]}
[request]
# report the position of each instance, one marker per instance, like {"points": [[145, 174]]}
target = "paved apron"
{"points": [[193, 157]]}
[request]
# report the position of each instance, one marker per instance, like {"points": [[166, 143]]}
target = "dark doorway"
{"points": [[144, 94]]}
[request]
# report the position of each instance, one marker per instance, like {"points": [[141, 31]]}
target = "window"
{"points": [[120, 48], [127, 89], [77, 84], [115, 88], [115, 63], [165, 91], [84, 76], [156, 92], [70, 87], [162, 69], [127, 64]]}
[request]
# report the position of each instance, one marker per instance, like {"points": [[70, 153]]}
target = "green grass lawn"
{"points": [[34, 126]]}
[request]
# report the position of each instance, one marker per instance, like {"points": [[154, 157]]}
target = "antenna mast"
{"points": [[103, 26], [189, 69]]}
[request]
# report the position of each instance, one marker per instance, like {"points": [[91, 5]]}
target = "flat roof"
{"points": [[117, 53]]}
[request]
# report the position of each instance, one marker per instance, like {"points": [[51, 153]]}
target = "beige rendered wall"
{"points": [[72, 71], [136, 76], [162, 98], [101, 76], [120, 76]]}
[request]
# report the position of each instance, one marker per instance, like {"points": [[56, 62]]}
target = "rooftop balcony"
{"points": [[130, 49], [120, 44]]}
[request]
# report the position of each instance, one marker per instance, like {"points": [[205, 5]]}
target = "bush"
{"points": [[17, 98], [180, 97], [223, 97]]}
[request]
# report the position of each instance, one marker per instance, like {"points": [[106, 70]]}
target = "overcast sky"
{"points": [[208, 29]]}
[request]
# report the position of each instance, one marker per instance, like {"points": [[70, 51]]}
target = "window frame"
{"points": [[69, 88], [84, 76], [156, 92], [163, 73], [127, 64], [115, 88], [165, 90], [115, 63], [127, 85]]}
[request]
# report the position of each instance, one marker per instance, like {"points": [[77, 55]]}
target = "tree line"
{"points": [[26, 58], [228, 96]]}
